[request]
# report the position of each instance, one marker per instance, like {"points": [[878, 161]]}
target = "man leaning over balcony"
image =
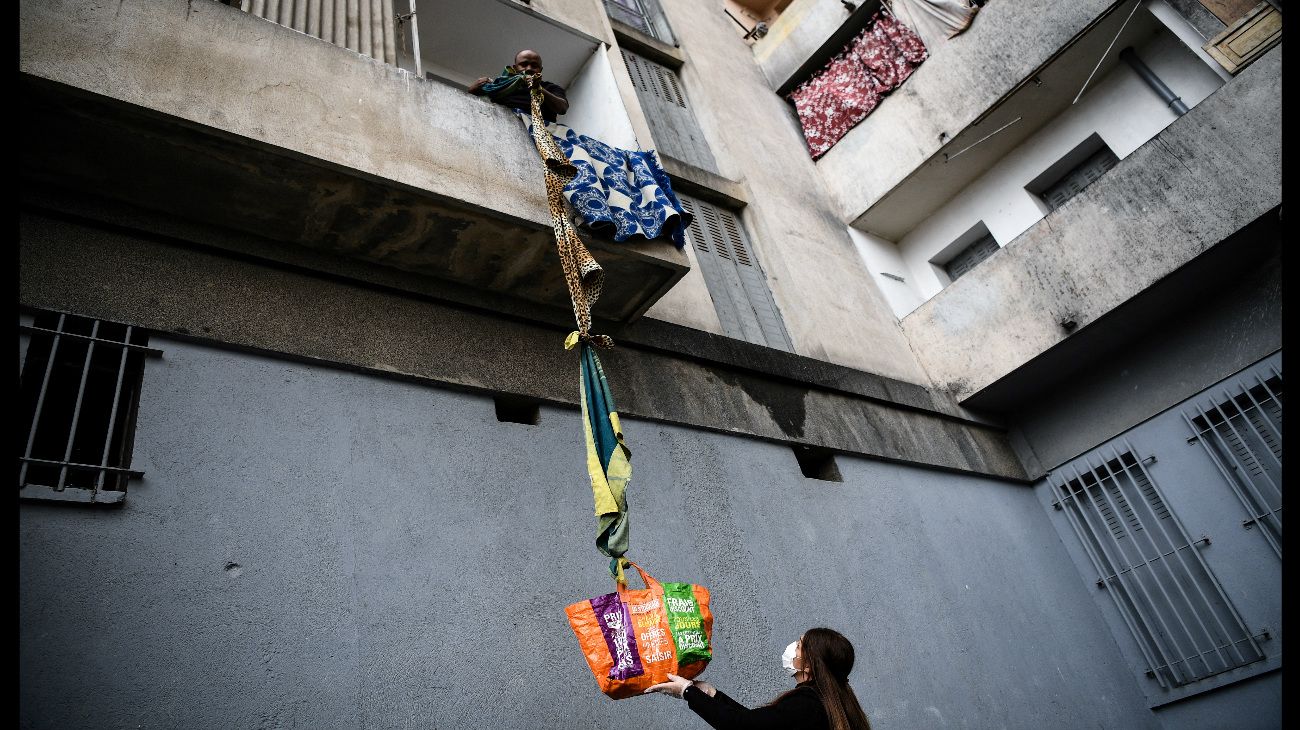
{"points": [[511, 87]]}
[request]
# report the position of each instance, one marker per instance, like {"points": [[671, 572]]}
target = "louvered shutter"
{"points": [[970, 256], [668, 111], [734, 278], [1079, 178]]}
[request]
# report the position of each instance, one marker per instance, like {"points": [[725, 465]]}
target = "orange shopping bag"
{"points": [[634, 638]]}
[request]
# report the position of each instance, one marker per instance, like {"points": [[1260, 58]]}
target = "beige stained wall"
{"points": [[830, 306]]}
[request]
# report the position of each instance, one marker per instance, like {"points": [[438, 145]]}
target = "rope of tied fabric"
{"points": [[582, 274], [609, 464]]}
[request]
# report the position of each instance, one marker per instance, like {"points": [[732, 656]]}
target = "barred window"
{"points": [[1175, 608], [79, 385], [1240, 427]]}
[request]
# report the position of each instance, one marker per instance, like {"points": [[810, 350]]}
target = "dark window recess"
{"points": [[733, 276], [676, 132], [642, 15], [971, 256], [818, 463], [1079, 177], [513, 409], [78, 392]]}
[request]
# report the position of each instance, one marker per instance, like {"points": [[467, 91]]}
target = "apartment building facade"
{"points": [[993, 386]]}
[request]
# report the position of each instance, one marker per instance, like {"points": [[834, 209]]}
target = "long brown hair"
{"points": [[828, 657]]}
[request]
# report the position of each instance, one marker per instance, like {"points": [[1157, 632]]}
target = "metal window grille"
{"points": [[655, 79], [1170, 601], [971, 256], [643, 15], [733, 276], [78, 390], [1080, 177], [1240, 427]]}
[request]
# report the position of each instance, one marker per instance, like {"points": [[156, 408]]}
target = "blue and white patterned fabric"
{"points": [[621, 192]]}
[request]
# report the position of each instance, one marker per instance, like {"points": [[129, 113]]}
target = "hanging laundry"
{"points": [[620, 193], [935, 21], [609, 464], [839, 96]]}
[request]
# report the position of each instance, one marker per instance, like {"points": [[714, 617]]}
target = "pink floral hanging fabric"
{"points": [[850, 86]]}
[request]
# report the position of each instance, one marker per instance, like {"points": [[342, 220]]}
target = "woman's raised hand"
{"points": [[675, 686]]}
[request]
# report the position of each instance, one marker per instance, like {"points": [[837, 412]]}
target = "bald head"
{"points": [[528, 62]]}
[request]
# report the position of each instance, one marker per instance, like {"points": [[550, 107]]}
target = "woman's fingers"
{"points": [[662, 687]]}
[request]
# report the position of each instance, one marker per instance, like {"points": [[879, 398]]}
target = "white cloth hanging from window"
{"points": [[934, 20]]}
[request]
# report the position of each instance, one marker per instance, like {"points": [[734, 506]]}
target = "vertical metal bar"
{"points": [[327, 20], [258, 8], [1147, 624], [337, 22], [1177, 546], [1254, 429], [1227, 477], [351, 25], [286, 13], [377, 29], [415, 41], [365, 29], [1101, 573], [300, 15], [389, 32], [272, 12], [112, 415], [1246, 479], [1177, 645], [313, 18], [40, 399], [76, 409], [1200, 559], [1277, 432]]}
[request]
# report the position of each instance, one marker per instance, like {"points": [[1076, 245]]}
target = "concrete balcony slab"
{"points": [[255, 127]]}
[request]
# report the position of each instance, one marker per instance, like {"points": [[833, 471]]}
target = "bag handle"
{"points": [[621, 580]]}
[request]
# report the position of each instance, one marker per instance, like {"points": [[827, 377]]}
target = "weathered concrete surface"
{"points": [[1204, 177], [949, 92], [99, 147], [315, 548], [298, 140], [1222, 312], [673, 375], [830, 305], [802, 29]]}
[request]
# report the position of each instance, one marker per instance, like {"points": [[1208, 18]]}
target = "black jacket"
{"points": [[801, 709]]}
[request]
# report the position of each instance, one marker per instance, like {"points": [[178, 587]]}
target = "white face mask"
{"points": [[787, 658]]}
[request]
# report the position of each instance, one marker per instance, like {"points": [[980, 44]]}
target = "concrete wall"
{"points": [[953, 88], [212, 65], [1205, 176], [1120, 108], [325, 549], [831, 308], [1239, 558], [1230, 324], [251, 293]]}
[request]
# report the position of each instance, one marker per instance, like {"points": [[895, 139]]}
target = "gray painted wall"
{"points": [[319, 548], [1249, 573]]}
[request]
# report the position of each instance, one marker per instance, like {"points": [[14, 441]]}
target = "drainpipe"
{"points": [[1165, 93]]}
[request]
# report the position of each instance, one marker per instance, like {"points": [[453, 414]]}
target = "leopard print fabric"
{"points": [[582, 274]]}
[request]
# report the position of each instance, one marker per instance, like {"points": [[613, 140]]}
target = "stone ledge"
{"points": [[660, 372]]}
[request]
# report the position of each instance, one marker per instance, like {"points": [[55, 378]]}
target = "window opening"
{"points": [[1240, 428], [1079, 177], [735, 280], [1170, 601], [642, 15], [78, 391], [971, 256], [675, 129]]}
